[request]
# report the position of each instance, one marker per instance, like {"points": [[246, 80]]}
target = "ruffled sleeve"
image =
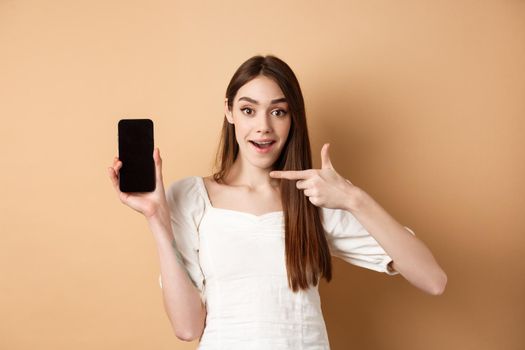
{"points": [[186, 211], [349, 240]]}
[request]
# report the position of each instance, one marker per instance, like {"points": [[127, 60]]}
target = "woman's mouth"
{"points": [[262, 147]]}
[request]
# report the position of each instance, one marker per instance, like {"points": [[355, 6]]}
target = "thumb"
{"points": [[158, 164], [325, 158]]}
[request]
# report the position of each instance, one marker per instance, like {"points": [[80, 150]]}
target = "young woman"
{"points": [[242, 251]]}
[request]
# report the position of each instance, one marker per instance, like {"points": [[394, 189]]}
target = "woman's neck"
{"points": [[244, 174]]}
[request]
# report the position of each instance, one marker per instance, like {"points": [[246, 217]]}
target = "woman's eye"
{"points": [[277, 112], [282, 112], [246, 108]]}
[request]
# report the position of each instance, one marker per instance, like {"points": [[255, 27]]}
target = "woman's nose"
{"points": [[264, 123]]}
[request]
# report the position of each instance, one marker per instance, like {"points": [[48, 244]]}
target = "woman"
{"points": [[242, 251]]}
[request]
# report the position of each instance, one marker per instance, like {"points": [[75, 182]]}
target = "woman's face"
{"points": [[262, 120]]}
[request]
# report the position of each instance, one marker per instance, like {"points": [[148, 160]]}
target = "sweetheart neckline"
{"points": [[205, 191]]}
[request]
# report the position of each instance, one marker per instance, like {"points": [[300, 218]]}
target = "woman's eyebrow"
{"points": [[245, 98]]}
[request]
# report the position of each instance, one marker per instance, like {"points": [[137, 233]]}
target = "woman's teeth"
{"points": [[263, 147], [262, 144]]}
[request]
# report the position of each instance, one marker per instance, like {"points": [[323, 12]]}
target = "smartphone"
{"points": [[135, 151]]}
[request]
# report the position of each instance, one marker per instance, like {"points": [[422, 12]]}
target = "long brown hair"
{"points": [[306, 248]]}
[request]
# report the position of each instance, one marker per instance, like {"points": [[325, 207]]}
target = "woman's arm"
{"points": [[410, 256], [182, 300]]}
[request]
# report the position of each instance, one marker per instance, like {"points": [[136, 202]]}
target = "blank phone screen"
{"points": [[135, 141]]}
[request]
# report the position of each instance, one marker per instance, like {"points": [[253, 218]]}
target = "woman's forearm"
{"points": [[411, 257], [182, 300]]}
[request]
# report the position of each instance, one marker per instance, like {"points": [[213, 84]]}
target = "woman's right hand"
{"points": [[147, 203]]}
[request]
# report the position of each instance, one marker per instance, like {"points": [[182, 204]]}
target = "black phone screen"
{"points": [[135, 145]]}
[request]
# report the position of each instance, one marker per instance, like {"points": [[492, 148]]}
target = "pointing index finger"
{"points": [[291, 174]]}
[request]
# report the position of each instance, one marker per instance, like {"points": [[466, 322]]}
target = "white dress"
{"points": [[237, 261]]}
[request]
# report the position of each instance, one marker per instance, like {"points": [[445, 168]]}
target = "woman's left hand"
{"points": [[324, 187]]}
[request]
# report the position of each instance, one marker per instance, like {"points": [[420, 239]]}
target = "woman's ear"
{"points": [[227, 112]]}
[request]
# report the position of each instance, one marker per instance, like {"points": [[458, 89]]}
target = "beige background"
{"points": [[422, 101]]}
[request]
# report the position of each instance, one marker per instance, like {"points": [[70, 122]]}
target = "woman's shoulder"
{"points": [[183, 183], [185, 188], [333, 218]]}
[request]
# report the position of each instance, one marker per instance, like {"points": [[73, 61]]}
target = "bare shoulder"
{"points": [[213, 188], [210, 183]]}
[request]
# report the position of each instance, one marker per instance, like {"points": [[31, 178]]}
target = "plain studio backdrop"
{"points": [[423, 103]]}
